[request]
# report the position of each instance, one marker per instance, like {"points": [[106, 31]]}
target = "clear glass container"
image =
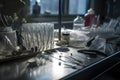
{"points": [[78, 23]]}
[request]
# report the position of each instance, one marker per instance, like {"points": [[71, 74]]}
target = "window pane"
{"points": [[47, 6], [77, 6]]}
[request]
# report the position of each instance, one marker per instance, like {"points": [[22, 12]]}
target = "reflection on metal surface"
{"points": [[12, 71], [58, 68], [46, 66]]}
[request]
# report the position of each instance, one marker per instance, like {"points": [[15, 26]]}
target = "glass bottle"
{"points": [[78, 23]]}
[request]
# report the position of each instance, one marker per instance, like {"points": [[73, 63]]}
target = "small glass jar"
{"points": [[66, 37]]}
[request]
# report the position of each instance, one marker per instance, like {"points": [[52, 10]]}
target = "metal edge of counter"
{"points": [[94, 69]]}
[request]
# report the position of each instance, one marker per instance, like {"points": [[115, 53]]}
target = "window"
{"points": [[47, 6], [77, 6], [51, 6]]}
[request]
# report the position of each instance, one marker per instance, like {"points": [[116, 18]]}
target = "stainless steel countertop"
{"points": [[46, 67]]}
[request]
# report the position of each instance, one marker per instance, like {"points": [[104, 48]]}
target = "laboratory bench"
{"points": [[64, 63]]}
